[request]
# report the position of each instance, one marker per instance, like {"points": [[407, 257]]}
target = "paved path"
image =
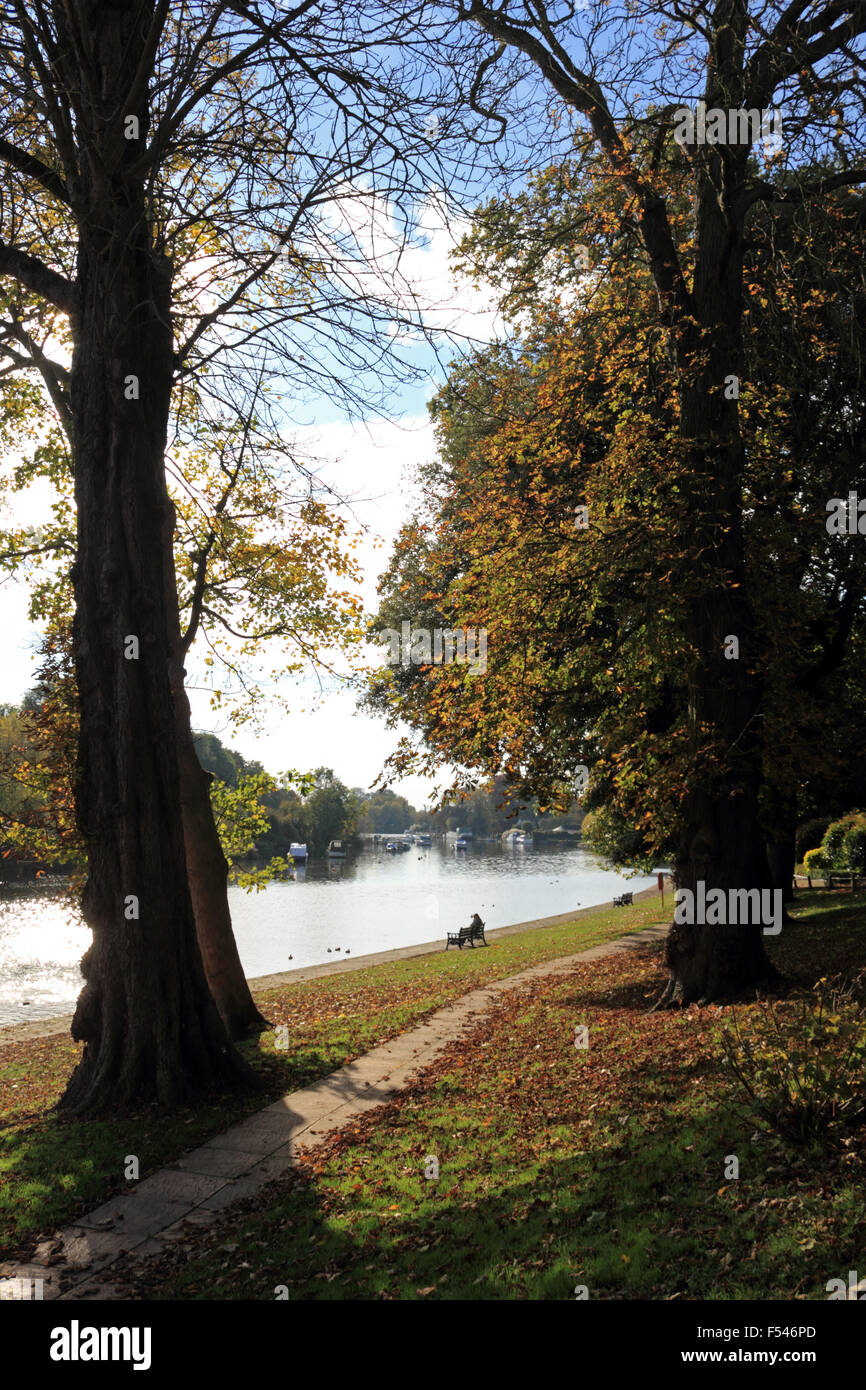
{"points": [[236, 1164]]}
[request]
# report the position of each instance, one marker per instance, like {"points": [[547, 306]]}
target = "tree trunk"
{"points": [[782, 858], [150, 1026], [206, 864], [722, 842]]}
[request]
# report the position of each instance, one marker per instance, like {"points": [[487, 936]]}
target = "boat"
{"points": [[298, 853], [337, 849], [424, 840], [390, 847], [460, 837]]}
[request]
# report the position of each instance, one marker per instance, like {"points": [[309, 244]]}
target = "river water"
{"points": [[370, 902]]}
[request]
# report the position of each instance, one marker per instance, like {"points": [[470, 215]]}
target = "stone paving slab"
{"points": [[224, 1163], [27, 1283], [134, 1215], [177, 1186], [236, 1164]]}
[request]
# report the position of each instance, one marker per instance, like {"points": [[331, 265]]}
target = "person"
{"points": [[476, 922]]}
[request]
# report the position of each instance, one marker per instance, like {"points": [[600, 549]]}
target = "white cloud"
{"points": [[374, 466], [416, 277]]}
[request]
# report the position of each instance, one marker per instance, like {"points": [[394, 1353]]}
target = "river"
{"points": [[370, 902]]}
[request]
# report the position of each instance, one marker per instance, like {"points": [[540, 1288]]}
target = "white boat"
{"points": [[298, 853], [424, 840], [337, 849], [461, 842]]}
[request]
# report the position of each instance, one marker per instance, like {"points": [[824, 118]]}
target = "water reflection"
{"points": [[374, 901]]}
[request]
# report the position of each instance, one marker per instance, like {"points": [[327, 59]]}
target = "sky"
{"points": [[372, 462]]}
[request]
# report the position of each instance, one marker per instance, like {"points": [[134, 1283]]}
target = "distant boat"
{"points": [[461, 842], [298, 852], [390, 847], [336, 849], [424, 840]]}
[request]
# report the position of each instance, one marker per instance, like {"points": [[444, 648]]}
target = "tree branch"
{"points": [[35, 275], [34, 168], [582, 92]]}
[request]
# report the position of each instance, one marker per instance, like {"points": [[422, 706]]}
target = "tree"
{"points": [[256, 557], [752, 57], [383, 811], [331, 810], [127, 207], [586, 662]]}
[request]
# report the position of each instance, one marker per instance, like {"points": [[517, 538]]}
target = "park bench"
{"points": [[469, 934], [624, 900]]}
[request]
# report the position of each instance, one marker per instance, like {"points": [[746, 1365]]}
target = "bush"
{"points": [[809, 836], [802, 1063], [815, 863], [834, 840], [844, 843], [854, 846]]}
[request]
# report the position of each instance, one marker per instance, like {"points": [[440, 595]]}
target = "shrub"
{"points": [[854, 846], [809, 836], [815, 863], [802, 1063], [843, 839], [834, 840]]}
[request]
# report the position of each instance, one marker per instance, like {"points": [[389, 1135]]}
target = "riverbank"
{"points": [[518, 1167], [51, 1172], [48, 1027]]}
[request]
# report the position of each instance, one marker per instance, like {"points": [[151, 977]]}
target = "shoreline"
{"points": [[49, 1027]]}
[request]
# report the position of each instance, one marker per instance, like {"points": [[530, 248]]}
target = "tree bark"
{"points": [[722, 842], [149, 1024], [206, 864], [781, 847]]}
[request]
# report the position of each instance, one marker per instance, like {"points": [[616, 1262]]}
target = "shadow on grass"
{"points": [[54, 1169], [643, 1219]]}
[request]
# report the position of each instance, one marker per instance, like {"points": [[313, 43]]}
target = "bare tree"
{"points": [[182, 184]]}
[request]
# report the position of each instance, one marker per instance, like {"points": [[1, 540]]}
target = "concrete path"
{"points": [[236, 1164]]}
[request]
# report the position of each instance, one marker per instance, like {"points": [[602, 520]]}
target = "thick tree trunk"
{"points": [[722, 842], [206, 864], [781, 858], [150, 1026]]}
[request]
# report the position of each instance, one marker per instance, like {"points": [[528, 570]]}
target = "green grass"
{"points": [[559, 1168], [52, 1171]]}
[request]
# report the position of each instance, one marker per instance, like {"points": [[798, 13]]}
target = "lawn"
{"points": [[559, 1169], [52, 1171]]}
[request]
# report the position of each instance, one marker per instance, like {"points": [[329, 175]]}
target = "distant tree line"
{"points": [[488, 811]]}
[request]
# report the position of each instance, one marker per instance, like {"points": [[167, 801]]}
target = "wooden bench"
{"points": [[624, 900], [470, 934]]}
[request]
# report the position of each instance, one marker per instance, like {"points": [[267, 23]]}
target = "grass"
{"points": [[559, 1169], [52, 1170]]}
